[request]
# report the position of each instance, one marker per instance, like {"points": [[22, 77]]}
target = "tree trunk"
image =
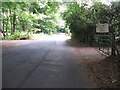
{"points": [[3, 29], [7, 26], [11, 22], [3, 25], [14, 22], [23, 26]]}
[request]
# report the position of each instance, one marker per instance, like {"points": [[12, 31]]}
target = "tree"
{"points": [[82, 18], [29, 16]]}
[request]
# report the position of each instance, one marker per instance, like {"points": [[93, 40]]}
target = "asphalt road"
{"points": [[41, 64]]}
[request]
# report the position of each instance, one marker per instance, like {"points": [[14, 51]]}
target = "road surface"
{"points": [[42, 64]]}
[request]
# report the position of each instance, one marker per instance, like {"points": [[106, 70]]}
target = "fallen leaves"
{"points": [[104, 73]]}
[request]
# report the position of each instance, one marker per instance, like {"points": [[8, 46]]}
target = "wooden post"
{"points": [[113, 44], [99, 42]]}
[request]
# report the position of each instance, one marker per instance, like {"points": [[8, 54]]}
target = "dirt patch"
{"points": [[102, 71], [76, 44], [10, 43]]}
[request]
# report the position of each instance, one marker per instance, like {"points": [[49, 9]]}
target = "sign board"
{"points": [[102, 28]]}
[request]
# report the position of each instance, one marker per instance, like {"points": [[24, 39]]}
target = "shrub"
{"points": [[18, 36]]}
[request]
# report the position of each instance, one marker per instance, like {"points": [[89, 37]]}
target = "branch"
{"points": [[115, 24]]}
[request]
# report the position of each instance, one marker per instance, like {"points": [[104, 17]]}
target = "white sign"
{"points": [[102, 28]]}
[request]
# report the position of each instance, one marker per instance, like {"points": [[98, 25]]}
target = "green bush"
{"points": [[18, 36], [11, 37]]}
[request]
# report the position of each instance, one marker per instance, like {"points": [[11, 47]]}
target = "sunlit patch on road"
{"points": [[55, 37]]}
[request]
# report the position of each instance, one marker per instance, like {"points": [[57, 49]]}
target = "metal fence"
{"points": [[104, 43]]}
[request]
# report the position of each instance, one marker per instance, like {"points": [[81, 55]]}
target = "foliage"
{"points": [[29, 16], [18, 36], [82, 19], [79, 24], [44, 17]]}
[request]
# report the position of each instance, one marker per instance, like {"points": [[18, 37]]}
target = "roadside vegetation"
{"points": [[22, 19], [82, 19], [79, 19], [26, 20]]}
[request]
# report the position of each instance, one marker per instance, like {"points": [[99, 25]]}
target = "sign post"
{"points": [[102, 28], [102, 31]]}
